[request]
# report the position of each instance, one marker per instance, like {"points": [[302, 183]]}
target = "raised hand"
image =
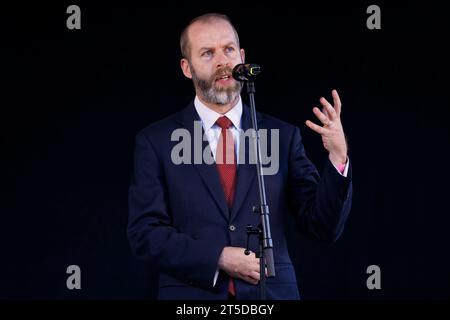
{"points": [[332, 133]]}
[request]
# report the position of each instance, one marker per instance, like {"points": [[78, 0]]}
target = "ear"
{"points": [[243, 55], [185, 67]]}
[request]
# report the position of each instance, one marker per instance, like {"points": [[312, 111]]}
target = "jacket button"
{"points": [[232, 228]]}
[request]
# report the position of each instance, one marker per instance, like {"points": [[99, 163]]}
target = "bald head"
{"points": [[209, 18]]}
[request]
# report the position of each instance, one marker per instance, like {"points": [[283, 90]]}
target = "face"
{"points": [[213, 54]]}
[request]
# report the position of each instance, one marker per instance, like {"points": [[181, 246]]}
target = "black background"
{"points": [[73, 100]]}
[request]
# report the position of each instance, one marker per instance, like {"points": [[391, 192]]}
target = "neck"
{"points": [[219, 108]]}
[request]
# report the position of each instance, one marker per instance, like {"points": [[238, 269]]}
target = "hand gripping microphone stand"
{"points": [[245, 73]]}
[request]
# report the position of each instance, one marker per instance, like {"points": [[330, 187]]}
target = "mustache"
{"points": [[224, 71]]}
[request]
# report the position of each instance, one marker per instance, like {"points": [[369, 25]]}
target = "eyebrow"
{"points": [[226, 45]]}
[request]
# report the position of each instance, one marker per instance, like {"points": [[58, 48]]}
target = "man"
{"points": [[190, 218]]}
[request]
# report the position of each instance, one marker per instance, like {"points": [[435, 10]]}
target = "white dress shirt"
{"points": [[212, 130]]}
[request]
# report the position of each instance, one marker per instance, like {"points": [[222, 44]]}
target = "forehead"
{"points": [[210, 34]]}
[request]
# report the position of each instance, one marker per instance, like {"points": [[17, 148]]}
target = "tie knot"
{"points": [[224, 122]]}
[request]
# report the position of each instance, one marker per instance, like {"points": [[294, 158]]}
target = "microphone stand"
{"points": [[265, 253]]}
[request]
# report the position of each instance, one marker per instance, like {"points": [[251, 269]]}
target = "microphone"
{"points": [[245, 72]]}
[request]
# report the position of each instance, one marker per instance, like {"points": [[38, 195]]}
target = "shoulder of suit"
{"points": [[161, 127]]}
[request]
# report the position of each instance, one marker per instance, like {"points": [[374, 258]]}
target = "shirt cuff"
{"points": [[343, 169]]}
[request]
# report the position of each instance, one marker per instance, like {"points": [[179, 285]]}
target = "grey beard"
{"points": [[220, 97], [213, 95]]}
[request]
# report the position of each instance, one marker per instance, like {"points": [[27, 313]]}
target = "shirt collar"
{"points": [[209, 116]]}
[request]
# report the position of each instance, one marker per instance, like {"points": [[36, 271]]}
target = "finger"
{"points": [[337, 102], [325, 112], [255, 269], [254, 275], [314, 127], [323, 118], [250, 279], [329, 108]]}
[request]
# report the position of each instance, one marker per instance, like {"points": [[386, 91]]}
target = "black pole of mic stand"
{"points": [[263, 230]]}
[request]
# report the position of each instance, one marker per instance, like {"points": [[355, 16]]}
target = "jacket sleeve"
{"points": [[321, 204], [151, 234]]}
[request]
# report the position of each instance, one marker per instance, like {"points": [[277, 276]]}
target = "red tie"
{"points": [[226, 164], [225, 159]]}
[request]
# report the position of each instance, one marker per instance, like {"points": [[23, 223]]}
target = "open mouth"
{"points": [[224, 78]]}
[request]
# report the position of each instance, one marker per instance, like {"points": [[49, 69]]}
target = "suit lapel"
{"points": [[208, 173], [210, 176], [246, 172]]}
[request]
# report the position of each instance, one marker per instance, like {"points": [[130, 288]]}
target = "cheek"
{"points": [[237, 57], [202, 69], [204, 74]]}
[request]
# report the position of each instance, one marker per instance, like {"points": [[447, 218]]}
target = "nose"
{"points": [[222, 60]]}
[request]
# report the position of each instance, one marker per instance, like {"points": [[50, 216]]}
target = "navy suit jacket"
{"points": [[180, 221]]}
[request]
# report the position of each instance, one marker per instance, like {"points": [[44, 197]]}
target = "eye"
{"points": [[229, 49], [206, 53]]}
